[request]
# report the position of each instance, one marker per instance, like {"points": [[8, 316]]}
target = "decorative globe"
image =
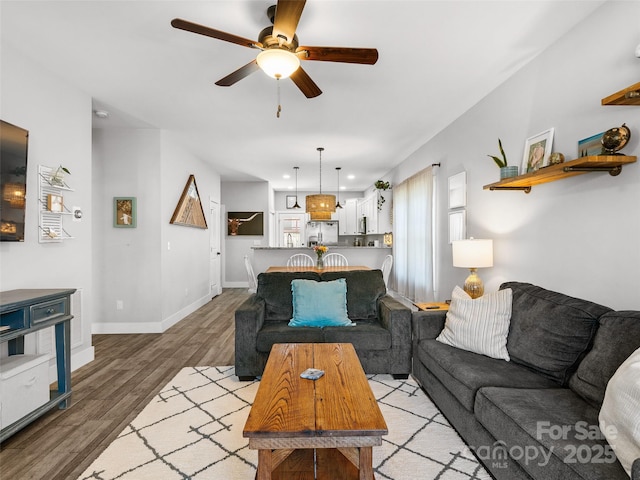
{"points": [[615, 139]]}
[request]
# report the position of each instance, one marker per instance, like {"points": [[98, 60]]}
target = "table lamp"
{"points": [[473, 254]]}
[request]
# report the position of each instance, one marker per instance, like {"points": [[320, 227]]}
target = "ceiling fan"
{"points": [[280, 52]]}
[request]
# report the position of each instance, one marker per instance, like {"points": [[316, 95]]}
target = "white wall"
{"points": [[58, 118], [127, 260], [243, 197], [185, 267], [579, 235], [159, 271]]}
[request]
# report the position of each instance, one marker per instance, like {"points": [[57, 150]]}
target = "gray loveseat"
{"points": [[528, 418], [381, 335]]}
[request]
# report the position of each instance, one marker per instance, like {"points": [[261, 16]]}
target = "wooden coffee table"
{"points": [[314, 429]]}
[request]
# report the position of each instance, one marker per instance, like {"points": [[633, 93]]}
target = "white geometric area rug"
{"points": [[193, 430]]}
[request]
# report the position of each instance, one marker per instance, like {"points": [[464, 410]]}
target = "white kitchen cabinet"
{"points": [[378, 220], [349, 217]]}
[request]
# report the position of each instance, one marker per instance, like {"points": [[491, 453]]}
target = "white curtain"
{"points": [[413, 243]]}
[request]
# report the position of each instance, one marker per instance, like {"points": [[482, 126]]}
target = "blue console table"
{"points": [[27, 311]]}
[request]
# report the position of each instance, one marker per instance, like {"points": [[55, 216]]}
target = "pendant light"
{"points": [[320, 206], [295, 205], [338, 170]]}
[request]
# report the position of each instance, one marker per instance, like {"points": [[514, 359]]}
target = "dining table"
{"points": [[284, 268]]}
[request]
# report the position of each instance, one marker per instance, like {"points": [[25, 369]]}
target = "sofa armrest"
{"points": [[427, 324], [249, 318], [635, 469], [396, 317]]}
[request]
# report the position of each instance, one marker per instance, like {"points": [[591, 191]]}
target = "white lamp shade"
{"points": [[278, 63], [473, 253]]}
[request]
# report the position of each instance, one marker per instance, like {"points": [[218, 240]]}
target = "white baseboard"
{"points": [[148, 327]]}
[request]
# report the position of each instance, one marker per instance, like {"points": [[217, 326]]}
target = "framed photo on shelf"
{"points": [[457, 225], [591, 145], [55, 203], [536, 151], [291, 201], [458, 190], [124, 212]]}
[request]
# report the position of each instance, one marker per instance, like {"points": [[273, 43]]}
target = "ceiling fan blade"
{"points": [[305, 84], [288, 14], [213, 33], [239, 74], [367, 56]]}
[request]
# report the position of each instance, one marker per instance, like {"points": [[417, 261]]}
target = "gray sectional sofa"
{"points": [[381, 335], [528, 418]]}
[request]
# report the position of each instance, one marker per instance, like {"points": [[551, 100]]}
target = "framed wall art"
{"points": [[591, 145], [124, 212], [189, 211], [536, 151], [458, 190], [291, 201], [245, 223], [457, 225], [55, 203]]}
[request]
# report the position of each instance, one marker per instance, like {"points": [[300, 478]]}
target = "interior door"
{"points": [[214, 248]]}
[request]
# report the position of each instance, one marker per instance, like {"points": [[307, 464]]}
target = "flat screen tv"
{"points": [[13, 181]]}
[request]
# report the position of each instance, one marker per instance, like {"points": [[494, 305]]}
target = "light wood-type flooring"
{"points": [[109, 392]]}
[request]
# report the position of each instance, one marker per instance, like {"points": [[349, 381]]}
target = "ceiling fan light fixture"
{"points": [[277, 62]]}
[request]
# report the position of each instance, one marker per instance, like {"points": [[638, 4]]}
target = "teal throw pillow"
{"points": [[319, 304]]}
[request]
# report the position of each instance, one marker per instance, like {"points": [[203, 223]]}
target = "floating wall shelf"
{"points": [[595, 163], [628, 96]]}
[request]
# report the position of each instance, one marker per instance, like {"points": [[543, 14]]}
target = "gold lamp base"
{"points": [[473, 285]]}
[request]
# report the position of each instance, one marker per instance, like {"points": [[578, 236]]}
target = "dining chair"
{"points": [[387, 263], [253, 282], [300, 260], [335, 260]]}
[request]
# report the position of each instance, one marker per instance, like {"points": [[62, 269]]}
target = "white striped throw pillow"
{"points": [[479, 325]]}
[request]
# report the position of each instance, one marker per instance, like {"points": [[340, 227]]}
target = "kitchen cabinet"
{"points": [[378, 219], [348, 217]]}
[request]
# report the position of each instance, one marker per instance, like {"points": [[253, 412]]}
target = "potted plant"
{"points": [[506, 171], [380, 185], [57, 177]]}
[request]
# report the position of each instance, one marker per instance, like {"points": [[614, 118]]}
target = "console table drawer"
{"points": [[48, 310]]}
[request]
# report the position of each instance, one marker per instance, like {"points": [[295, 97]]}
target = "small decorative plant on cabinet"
{"points": [[380, 185]]}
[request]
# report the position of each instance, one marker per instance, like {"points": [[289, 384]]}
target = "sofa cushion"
{"points": [[478, 325], [364, 335], [617, 337], [275, 289], [620, 413], [463, 372], [364, 289], [319, 304], [550, 332], [280, 332], [551, 433]]}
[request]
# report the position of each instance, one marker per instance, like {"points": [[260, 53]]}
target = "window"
{"points": [[413, 213]]}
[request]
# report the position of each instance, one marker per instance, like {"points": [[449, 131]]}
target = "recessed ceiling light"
{"points": [[286, 175], [101, 113], [351, 177]]}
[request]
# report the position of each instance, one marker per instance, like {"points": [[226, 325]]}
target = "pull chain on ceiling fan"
{"points": [[281, 54]]}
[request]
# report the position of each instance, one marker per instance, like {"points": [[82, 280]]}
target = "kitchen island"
{"points": [[265, 257]]}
